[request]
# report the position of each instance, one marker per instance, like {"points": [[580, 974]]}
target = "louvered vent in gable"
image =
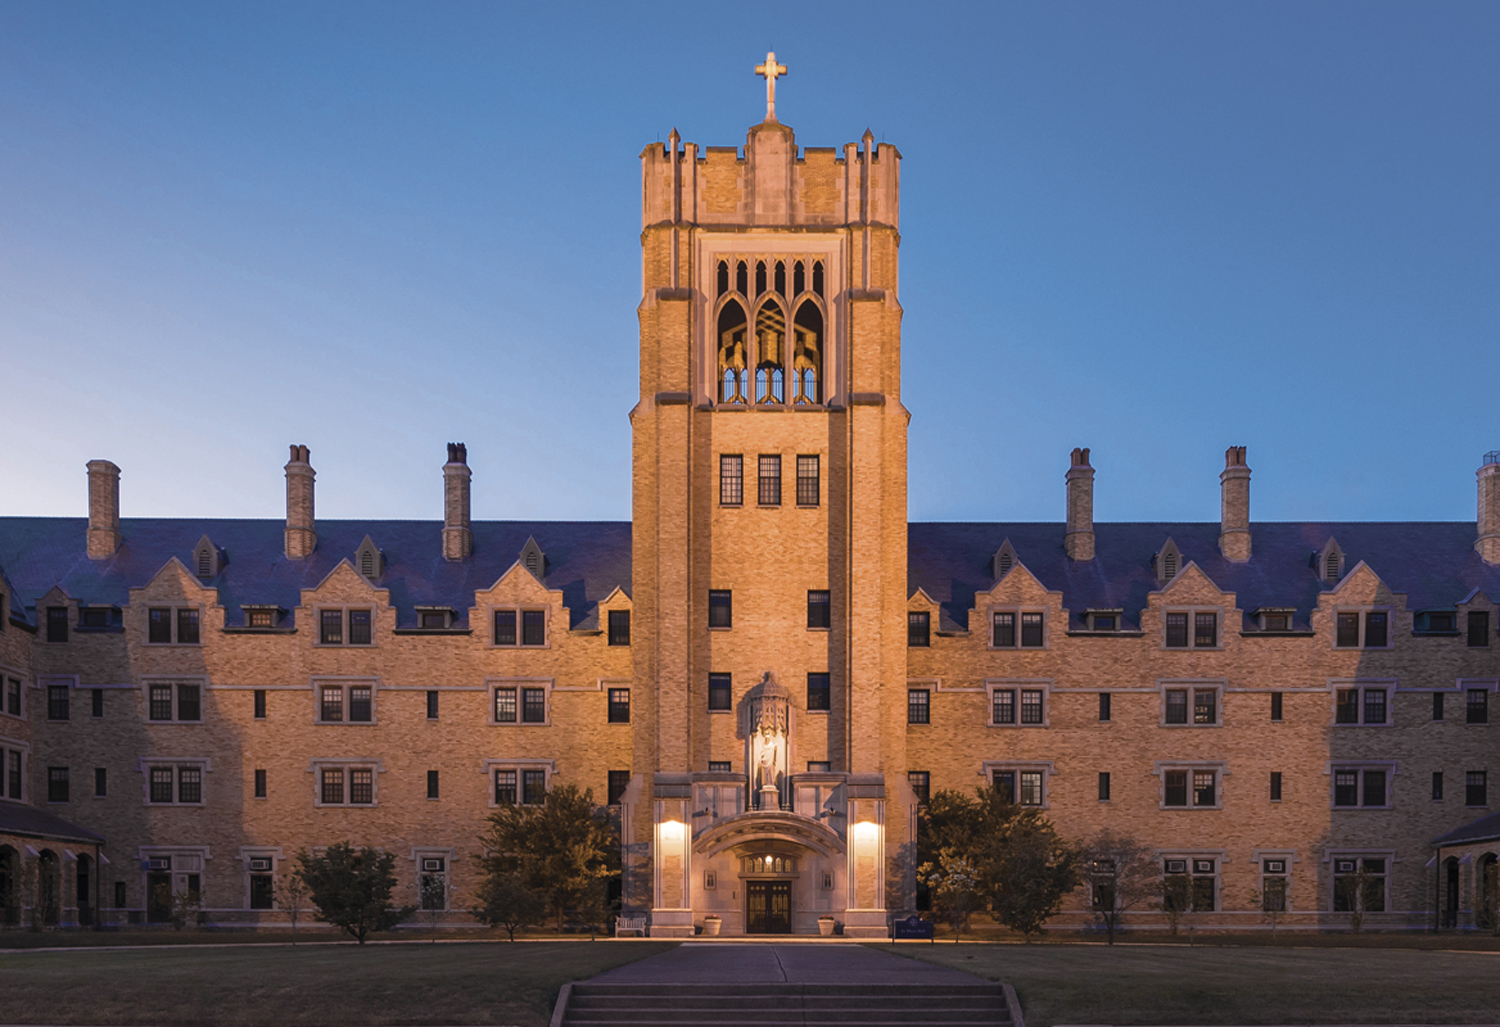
{"points": [[533, 559], [208, 559], [1168, 562], [1328, 564], [1003, 560], [369, 560]]}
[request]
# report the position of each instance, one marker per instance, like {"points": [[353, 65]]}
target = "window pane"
{"points": [[533, 627], [1104, 705], [1177, 630], [331, 627], [1005, 631], [770, 480], [619, 627], [819, 609], [260, 784], [361, 787], [1205, 706], [1004, 706], [719, 692], [332, 702], [57, 702], [1348, 706], [917, 626], [505, 787], [1374, 788], [161, 784], [534, 787], [1374, 706], [731, 480], [807, 481], [1031, 630], [1476, 710], [333, 786], [920, 782], [360, 703], [1031, 706], [505, 627], [619, 706], [534, 705], [432, 704], [359, 627], [819, 691], [1177, 701], [1205, 629], [1273, 894], [1276, 705], [161, 702], [1275, 786], [187, 627], [1005, 784], [1104, 786], [916, 706], [189, 706], [1203, 788], [189, 784], [1345, 788], [159, 626], [1203, 894], [1475, 788], [1437, 785], [505, 705], [1375, 630], [57, 623], [720, 608], [1348, 631], [619, 780], [1175, 792], [1031, 788], [1479, 628]]}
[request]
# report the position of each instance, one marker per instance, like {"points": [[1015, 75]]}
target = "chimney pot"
{"points": [[104, 509], [1488, 543], [301, 535], [1078, 543], [1234, 522], [458, 534]]}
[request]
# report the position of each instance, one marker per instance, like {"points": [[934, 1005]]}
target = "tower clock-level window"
{"points": [[720, 608], [808, 485], [720, 692], [918, 629], [769, 486], [731, 480]]}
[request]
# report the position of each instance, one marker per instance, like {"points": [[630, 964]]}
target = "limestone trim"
{"points": [[1047, 768], [1018, 687], [518, 764], [1390, 686], [1018, 615], [317, 765], [519, 686], [1220, 769], [1333, 768], [1363, 610], [346, 625], [766, 827], [1192, 686], [1333, 856], [345, 685], [1266, 861], [520, 610], [1190, 643], [173, 624], [144, 765]]}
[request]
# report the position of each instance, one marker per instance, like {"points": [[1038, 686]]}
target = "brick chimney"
{"points": [[458, 537], [1488, 542], [1234, 530], [301, 538], [104, 509], [1078, 543]]}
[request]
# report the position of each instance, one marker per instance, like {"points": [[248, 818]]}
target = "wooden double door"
{"points": [[768, 907]]}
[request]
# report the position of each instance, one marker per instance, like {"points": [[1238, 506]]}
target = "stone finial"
{"points": [[1488, 543], [104, 509], [1078, 543], [458, 533], [1234, 483], [301, 536]]}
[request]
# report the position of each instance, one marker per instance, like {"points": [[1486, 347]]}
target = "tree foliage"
{"points": [[1121, 874], [1024, 868], [505, 901], [562, 849], [351, 888]]}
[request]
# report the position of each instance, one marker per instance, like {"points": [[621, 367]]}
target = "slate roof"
{"points": [[31, 822], [586, 560], [1434, 562], [1485, 829]]}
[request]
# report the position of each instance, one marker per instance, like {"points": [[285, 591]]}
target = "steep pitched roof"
{"points": [[1485, 829], [31, 822]]}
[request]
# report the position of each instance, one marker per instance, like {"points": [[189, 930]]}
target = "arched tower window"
{"points": [[760, 278], [770, 350], [742, 278], [818, 278], [807, 359], [733, 360], [723, 277], [780, 279], [799, 278]]}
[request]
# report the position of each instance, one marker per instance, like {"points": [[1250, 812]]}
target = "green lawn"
{"points": [[1150, 984], [333, 985]]}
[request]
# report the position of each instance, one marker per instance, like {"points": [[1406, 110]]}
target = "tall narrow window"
{"points": [[809, 492], [432, 784], [189, 785], [731, 480], [533, 627], [159, 626], [819, 691], [160, 706], [1175, 788], [98, 702], [260, 784], [533, 705], [57, 623], [619, 706], [1003, 706], [1275, 786], [1205, 630], [819, 609], [361, 787], [1031, 630], [533, 787], [1476, 708], [720, 692], [807, 357], [57, 702], [1177, 637], [1104, 704], [359, 627], [505, 627], [769, 493], [917, 706], [720, 608], [619, 627], [1479, 628], [1031, 705], [161, 784], [921, 785], [918, 627], [1374, 706], [1275, 705], [432, 704], [505, 788], [1347, 709], [1376, 623], [1205, 706], [1437, 786], [331, 627], [1347, 631], [1003, 635], [260, 704], [1475, 789], [1176, 706], [361, 703], [332, 703], [101, 782], [1437, 705], [618, 781], [187, 627], [1103, 786]]}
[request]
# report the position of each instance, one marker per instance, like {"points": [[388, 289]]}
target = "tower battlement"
{"points": [[769, 183]]}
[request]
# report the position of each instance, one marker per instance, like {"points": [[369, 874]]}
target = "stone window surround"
{"points": [[317, 765], [344, 609], [520, 609], [548, 767], [24, 748], [548, 684], [445, 853], [1220, 624], [248, 852], [1219, 857], [1017, 685], [1391, 768], [1219, 685], [343, 682], [7, 675], [1018, 610], [174, 607], [1332, 855], [1361, 609], [1336, 685], [1467, 685], [1219, 767], [1260, 856], [158, 680], [1047, 768], [203, 853], [145, 764]]}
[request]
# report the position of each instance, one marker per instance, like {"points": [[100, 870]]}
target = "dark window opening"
{"points": [[1476, 709], [921, 785], [432, 784], [769, 492], [1437, 785], [432, 704], [1031, 630], [101, 782], [505, 627], [57, 784], [1177, 636], [819, 609], [1275, 786], [533, 627], [187, 627], [57, 702], [819, 691], [260, 784], [1348, 631], [1437, 705], [1177, 706], [619, 627], [359, 627], [505, 788], [1004, 633], [1275, 705], [1376, 623], [97, 702], [260, 704], [1205, 630], [57, 623], [331, 627], [720, 608], [533, 705], [619, 780], [1104, 706], [731, 480], [533, 787], [918, 707], [918, 627], [1103, 786], [619, 706], [719, 692], [1479, 628], [1475, 791]]}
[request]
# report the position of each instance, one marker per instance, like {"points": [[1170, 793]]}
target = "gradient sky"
{"points": [[1154, 229]]}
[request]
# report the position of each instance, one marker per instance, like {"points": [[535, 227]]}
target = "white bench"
{"points": [[626, 924]]}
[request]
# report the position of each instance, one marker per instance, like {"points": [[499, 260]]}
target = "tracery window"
{"points": [[770, 345], [733, 359]]}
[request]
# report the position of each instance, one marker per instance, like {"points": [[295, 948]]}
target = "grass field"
{"points": [[333, 985], [1151, 984]]}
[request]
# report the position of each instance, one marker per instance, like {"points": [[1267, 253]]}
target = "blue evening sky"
{"points": [[1154, 229]]}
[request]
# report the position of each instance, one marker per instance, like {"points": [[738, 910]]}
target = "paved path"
{"points": [[721, 963]]}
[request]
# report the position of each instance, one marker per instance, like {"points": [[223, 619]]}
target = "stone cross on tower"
{"points": [[770, 70]]}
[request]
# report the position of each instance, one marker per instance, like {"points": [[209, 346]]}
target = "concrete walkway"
{"points": [[791, 963]]}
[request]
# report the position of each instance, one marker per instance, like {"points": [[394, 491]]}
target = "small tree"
{"points": [[1176, 898], [1356, 890], [1120, 873], [291, 895], [562, 848], [956, 887], [434, 900], [180, 905], [505, 901], [1032, 870], [351, 888]]}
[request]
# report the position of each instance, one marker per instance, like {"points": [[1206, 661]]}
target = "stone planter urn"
{"points": [[711, 925], [825, 926]]}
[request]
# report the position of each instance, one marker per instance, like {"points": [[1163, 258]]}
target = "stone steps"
{"points": [[773, 1004]]}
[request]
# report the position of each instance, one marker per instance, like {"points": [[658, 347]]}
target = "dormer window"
{"points": [[97, 617], [1274, 618], [1103, 620], [434, 618], [1329, 562], [208, 559], [262, 616], [1436, 622], [533, 559], [1168, 562], [1003, 560], [369, 560]]}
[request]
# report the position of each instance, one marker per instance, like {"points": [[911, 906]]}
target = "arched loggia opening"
{"points": [[770, 351], [733, 358], [807, 360]]}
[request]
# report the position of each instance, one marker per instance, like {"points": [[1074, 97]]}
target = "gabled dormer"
{"points": [[533, 559], [369, 560], [208, 559], [1003, 560], [1167, 562], [1328, 563]]}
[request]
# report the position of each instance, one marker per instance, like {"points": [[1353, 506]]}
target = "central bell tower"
{"points": [[769, 538]]}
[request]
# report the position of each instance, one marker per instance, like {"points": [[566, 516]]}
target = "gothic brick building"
{"points": [[768, 669]]}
